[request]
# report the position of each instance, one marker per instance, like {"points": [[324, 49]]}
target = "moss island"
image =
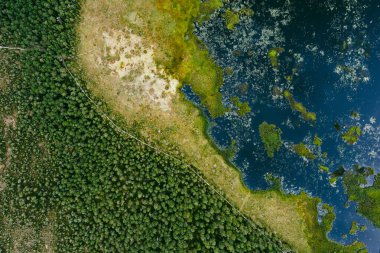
{"points": [[271, 138], [368, 198], [351, 136], [297, 106]]}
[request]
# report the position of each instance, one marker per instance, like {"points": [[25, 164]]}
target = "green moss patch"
{"points": [[317, 141], [242, 107], [368, 198], [351, 136], [299, 107], [273, 54], [271, 138], [302, 150], [231, 18], [324, 168], [354, 228]]}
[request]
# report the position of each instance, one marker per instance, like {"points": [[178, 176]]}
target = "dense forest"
{"points": [[70, 182]]}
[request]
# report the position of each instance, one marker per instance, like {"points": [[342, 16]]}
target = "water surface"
{"points": [[332, 54]]}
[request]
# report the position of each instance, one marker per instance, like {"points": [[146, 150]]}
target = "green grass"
{"points": [[271, 138], [178, 50]]}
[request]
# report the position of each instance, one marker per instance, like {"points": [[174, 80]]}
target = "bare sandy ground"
{"points": [[126, 56]]}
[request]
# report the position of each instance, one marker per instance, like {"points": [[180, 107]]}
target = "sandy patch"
{"points": [[24, 239], [127, 57], [10, 121]]}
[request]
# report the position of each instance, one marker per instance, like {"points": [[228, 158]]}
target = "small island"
{"points": [[299, 107], [271, 138]]}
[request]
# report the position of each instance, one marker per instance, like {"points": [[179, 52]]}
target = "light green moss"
{"points": [[317, 141], [207, 8], [332, 180], [302, 150], [351, 136], [271, 138], [242, 108], [230, 152], [273, 54], [354, 228], [324, 168], [368, 198], [274, 181], [296, 106], [231, 18]]}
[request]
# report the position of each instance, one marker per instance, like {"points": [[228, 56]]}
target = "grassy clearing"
{"points": [[292, 217]]}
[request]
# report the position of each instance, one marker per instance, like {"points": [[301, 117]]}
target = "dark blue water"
{"points": [[332, 52]]}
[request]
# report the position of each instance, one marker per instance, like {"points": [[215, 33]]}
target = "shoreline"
{"points": [[292, 217]]}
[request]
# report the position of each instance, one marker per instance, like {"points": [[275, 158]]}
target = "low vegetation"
{"points": [[302, 150], [323, 168], [368, 198], [242, 108], [271, 138], [352, 135], [317, 141], [169, 27], [273, 54], [354, 228], [231, 18], [299, 107]]}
